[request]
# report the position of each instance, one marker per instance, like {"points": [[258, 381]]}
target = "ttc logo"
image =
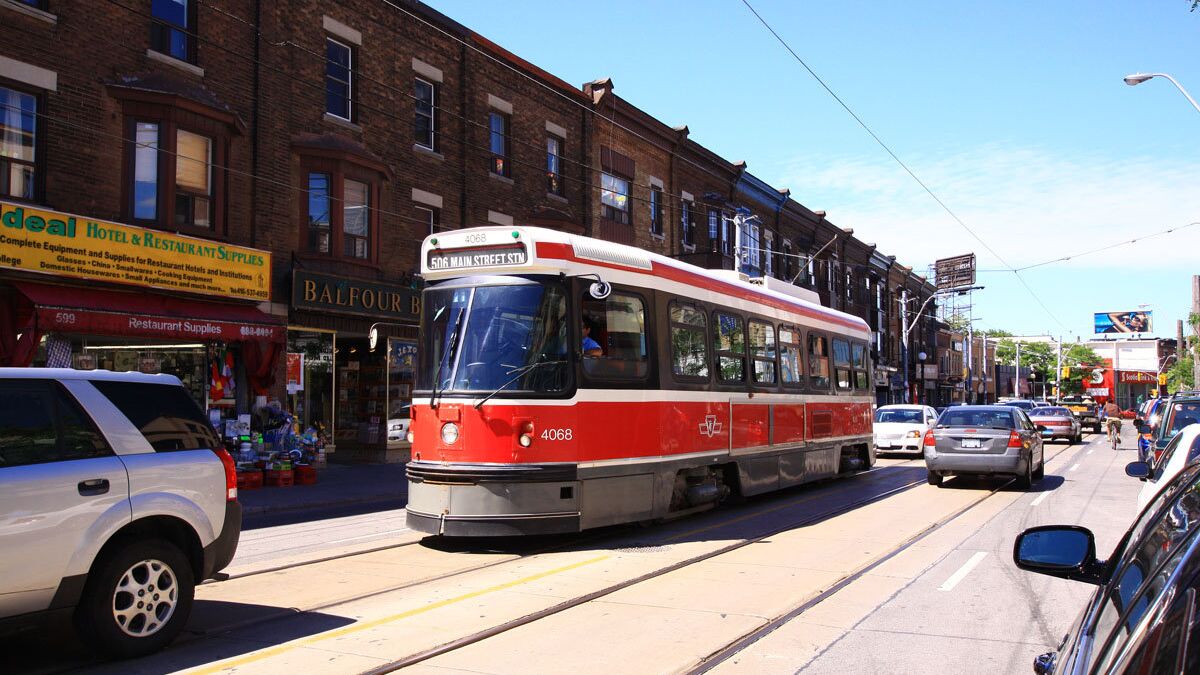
{"points": [[710, 426]]}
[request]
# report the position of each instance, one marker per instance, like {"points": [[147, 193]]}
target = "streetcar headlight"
{"points": [[449, 433], [525, 440], [409, 436]]}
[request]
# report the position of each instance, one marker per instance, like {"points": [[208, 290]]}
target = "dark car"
{"points": [[984, 440], [1178, 412], [1142, 617]]}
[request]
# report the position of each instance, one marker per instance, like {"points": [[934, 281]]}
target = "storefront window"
{"points": [[310, 378]]}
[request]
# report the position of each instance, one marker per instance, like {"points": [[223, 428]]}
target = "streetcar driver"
{"points": [[590, 347]]}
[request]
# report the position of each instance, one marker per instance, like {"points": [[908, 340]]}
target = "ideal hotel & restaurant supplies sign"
{"points": [[64, 244]]}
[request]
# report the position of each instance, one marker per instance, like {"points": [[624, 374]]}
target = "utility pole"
{"points": [[1058, 371], [1195, 312], [970, 391], [1017, 379]]}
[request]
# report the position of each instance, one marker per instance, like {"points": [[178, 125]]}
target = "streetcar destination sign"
{"points": [[462, 259]]}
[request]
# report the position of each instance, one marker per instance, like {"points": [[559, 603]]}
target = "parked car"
{"points": [[398, 425], [901, 427], [1085, 410], [985, 440], [116, 499], [1181, 450], [1059, 423], [1179, 411], [1141, 619]]}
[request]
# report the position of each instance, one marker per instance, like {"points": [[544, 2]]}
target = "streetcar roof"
{"points": [[494, 250]]}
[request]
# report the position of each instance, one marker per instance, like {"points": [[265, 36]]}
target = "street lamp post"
{"points": [[907, 328], [1138, 78]]}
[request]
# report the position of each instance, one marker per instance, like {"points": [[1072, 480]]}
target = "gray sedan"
{"points": [[1060, 423], [985, 440]]}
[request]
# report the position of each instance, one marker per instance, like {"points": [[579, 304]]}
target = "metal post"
{"points": [[1058, 371], [904, 338], [1195, 312], [1017, 379]]}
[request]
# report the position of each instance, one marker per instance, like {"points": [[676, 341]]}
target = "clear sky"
{"points": [[1013, 113]]}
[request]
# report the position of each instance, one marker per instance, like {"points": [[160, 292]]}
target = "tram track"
{"points": [[607, 536], [735, 647]]}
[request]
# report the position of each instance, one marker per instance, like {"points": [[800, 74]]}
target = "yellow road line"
{"points": [[367, 625]]}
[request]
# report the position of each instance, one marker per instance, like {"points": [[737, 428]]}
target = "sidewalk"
{"points": [[337, 485]]}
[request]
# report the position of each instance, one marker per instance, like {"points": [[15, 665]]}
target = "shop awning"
{"points": [[73, 309]]}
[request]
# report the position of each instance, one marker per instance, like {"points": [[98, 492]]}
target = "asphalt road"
{"points": [[348, 594]]}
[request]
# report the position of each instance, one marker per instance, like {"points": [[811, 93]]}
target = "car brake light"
{"points": [[230, 474], [1014, 440], [929, 440]]}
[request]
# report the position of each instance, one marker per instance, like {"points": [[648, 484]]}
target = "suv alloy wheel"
{"points": [[137, 598]]}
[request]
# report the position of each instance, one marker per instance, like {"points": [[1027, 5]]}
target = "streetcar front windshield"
{"points": [[511, 336]]}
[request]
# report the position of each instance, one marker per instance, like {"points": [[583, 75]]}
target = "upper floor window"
{"points": [[339, 79], [554, 148], [18, 144], [686, 224], [340, 205], [425, 121], [179, 188], [656, 211], [431, 216], [714, 229], [614, 198], [727, 235], [171, 28], [498, 124], [789, 263], [769, 245]]}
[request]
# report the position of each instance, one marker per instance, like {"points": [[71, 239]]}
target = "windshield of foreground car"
{"points": [[899, 416], [991, 419], [503, 329]]}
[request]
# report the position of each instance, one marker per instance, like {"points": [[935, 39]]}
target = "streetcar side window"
{"points": [[818, 361], [762, 351], [614, 341], [858, 357], [841, 363], [730, 348], [791, 360], [689, 341]]}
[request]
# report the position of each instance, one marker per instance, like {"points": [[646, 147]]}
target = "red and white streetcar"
{"points": [[567, 383]]}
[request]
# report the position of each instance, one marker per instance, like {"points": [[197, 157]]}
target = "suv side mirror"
{"points": [[1142, 427], [1138, 470], [1065, 551]]}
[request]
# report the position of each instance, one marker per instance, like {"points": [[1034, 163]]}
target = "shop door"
{"points": [[58, 478]]}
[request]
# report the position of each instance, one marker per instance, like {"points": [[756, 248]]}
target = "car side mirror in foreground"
{"points": [[1139, 470], [1142, 427], [1066, 551]]}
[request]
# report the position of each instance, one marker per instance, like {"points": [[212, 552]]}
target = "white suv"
{"points": [[116, 499]]}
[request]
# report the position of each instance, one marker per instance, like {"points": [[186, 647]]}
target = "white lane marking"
{"points": [[963, 571], [1091, 451], [1040, 498], [1073, 468]]}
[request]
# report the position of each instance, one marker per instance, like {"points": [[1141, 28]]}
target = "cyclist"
{"points": [[1112, 420]]}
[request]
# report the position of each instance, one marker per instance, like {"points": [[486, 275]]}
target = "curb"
{"points": [[400, 499]]}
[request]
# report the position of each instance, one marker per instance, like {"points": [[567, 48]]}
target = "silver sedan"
{"points": [[984, 440], [1060, 423]]}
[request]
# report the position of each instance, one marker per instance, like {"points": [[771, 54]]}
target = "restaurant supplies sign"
{"points": [[63, 244]]}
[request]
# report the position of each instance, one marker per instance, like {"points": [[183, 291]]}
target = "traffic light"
{"points": [[1066, 372], [1162, 379]]}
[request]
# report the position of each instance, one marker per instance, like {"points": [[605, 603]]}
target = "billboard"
{"points": [[1124, 322], [956, 272]]}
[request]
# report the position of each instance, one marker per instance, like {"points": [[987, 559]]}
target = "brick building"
{"points": [[286, 160]]}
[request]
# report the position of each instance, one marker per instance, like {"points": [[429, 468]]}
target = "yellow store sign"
{"points": [[76, 246]]}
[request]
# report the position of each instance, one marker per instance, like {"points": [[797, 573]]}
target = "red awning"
{"points": [[106, 312]]}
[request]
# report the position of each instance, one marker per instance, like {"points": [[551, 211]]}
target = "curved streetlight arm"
{"points": [[1139, 78]]}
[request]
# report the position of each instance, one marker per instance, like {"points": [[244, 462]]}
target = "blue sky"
{"points": [[1014, 113]]}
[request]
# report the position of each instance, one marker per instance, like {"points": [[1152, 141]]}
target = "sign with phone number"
{"points": [[108, 323]]}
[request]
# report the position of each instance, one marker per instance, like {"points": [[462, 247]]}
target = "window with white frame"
{"points": [[339, 81], [431, 216], [554, 150], [614, 198], [425, 120]]}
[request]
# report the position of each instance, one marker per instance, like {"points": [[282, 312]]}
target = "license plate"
{"points": [[970, 443]]}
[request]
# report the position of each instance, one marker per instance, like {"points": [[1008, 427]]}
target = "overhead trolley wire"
{"points": [[899, 161]]}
